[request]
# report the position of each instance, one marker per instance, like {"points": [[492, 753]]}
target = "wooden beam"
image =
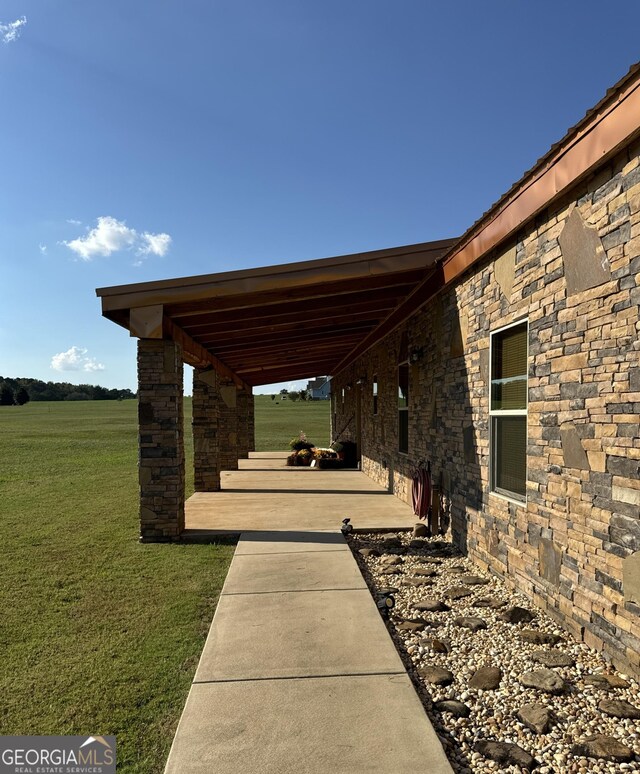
{"points": [[234, 343], [327, 290], [425, 291], [196, 355]]}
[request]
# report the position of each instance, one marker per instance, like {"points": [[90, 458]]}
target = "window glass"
{"points": [[375, 394]]}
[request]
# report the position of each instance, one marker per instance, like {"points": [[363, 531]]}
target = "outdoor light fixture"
{"points": [[346, 527], [416, 354], [385, 603]]}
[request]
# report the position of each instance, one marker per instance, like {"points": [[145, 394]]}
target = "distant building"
{"points": [[320, 388]]}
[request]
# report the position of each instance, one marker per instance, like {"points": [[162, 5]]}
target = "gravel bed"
{"points": [[563, 724]]}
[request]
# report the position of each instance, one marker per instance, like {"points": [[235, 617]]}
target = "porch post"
{"points": [[228, 424], [252, 421], [243, 424], [161, 440], [206, 409]]}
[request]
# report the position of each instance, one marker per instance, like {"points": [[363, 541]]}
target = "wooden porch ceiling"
{"points": [[277, 323]]}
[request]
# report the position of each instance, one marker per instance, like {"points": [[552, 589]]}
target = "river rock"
{"points": [[486, 678], [457, 592], [606, 747], [516, 615], [432, 606], [552, 658], [540, 638], [544, 680], [436, 675], [537, 717], [470, 622], [505, 753], [421, 530], [391, 571], [619, 708], [453, 706], [369, 552]]}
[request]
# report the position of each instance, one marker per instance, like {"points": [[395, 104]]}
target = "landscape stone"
{"points": [[470, 622], [425, 572], [544, 680], [606, 682], [474, 580], [457, 592], [540, 638], [390, 571], [436, 645], [432, 606], [490, 602], [552, 658], [417, 543], [391, 559], [505, 753], [486, 678], [515, 615], [411, 625], [421, 530], [429, 560], [606, 747], [536, 717], [369, 552], [453, 706], [418, 582], [619, 708], [436, 675]]}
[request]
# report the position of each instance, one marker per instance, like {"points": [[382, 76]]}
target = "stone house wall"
{"points": [[573, 273]]}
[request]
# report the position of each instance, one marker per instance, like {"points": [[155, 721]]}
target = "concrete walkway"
{"points": [[299, 674]]}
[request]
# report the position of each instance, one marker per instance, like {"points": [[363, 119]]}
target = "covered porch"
{"points": [[240, 330]]}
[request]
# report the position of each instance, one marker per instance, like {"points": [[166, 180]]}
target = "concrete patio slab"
{"points": [[290, 542], [265, 495], [342, 725], [310, 571], [296, 635]]}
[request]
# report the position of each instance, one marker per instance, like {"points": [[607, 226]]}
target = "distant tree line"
{"points": [[20, 391]]}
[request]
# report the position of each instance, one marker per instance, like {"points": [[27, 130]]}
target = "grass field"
{"points": [[98, 633]]}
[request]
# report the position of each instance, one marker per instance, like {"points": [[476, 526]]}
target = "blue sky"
{"points": [[144, 140]]}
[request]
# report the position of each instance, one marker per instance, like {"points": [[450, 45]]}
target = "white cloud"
{"points": [[75, 359], [11, 31], [74, 222], [43, 249], [112, 235], [154, 244]]}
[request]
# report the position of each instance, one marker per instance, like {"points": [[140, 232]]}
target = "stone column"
{"points": [[252, 421], [228, 425], [243, 424], [161, 440], [206, 409]]}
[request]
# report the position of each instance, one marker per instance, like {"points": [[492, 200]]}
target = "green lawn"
{"points": [[278, 421], [98, 633]]}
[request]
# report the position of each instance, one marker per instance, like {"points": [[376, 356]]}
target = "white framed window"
{"points": [[508, 411], [375, 395]]}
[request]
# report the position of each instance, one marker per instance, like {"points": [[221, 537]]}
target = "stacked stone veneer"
{"points": [[206, 412], [228, 425], [161, 442], [242, 401], [573, 273]]}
